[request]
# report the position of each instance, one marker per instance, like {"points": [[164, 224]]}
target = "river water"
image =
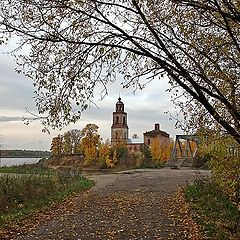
{"points": [[8, 162]]}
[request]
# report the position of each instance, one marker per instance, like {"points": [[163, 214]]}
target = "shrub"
{"points": [[223, 162], [21, 194], [218, 216], [119, 154]]}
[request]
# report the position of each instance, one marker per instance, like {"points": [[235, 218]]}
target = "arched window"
{"points": [[124, 120], [149, 141], [117, 119]]}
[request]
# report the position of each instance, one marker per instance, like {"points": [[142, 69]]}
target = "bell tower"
{"points": [[119, 129]]}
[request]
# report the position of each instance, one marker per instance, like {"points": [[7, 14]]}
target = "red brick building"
{"points": [[156, 133]]}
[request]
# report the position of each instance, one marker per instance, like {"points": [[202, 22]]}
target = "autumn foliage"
{"points": [[57, 145], [87, 143], [223, 156], [160, 150]]}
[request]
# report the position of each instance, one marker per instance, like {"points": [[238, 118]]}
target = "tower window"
{"points": [[149, 141], [117, 119], [124, 120]]}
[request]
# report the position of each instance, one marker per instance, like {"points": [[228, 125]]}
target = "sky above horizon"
{"points": [[144, 107]]}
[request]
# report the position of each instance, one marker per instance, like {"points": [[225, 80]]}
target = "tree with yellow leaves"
{"points": [[160, 150], [103, 154], [57, 145], [90, 143]]}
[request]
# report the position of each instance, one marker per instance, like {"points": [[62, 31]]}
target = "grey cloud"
{"points": [[16, 91], [10, 119]]}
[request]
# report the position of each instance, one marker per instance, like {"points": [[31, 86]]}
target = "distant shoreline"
{"points": [[23, 156]]}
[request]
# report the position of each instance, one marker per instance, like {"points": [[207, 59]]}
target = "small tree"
{"points": [[57, 145], [90, 143], [103, 155], [67, 143], [119, 153], [160, 150], [72, 141], [145, 150]]}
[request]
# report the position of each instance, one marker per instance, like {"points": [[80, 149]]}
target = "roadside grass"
{"points": [[36, 168], [24, 194], [218, 217]]}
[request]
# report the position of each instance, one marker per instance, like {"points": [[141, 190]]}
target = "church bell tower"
{"points": [[119, 129]]}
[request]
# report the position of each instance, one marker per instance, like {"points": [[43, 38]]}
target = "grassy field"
{"points": [[213, 210], [26, 190]]}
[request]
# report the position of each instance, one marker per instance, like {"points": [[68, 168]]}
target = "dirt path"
{"points": [[134, 204]]}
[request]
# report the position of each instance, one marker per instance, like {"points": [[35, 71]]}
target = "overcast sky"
{"points": [[144, 108]]}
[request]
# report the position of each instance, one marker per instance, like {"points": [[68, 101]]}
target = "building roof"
{"points": [[155, 133]]}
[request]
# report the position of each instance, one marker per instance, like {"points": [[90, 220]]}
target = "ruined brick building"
{"points": [[120, 130]]}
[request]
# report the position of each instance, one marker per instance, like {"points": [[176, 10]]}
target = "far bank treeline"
{"points": [[24, 154], [85, 148]]}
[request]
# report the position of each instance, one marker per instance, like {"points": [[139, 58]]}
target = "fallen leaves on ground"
{"points": [[112, 214]]}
